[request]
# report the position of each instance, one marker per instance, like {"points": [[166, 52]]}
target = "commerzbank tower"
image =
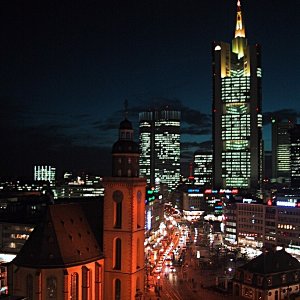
{"points": [[237, 111]]}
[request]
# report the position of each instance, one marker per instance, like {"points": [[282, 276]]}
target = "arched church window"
{"points": [[118, 254], [51, 288], [74, 286], [118, 199], [118, 289], [29, 287]]}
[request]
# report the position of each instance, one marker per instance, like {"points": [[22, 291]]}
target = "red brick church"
{"points": [[63, 259]]}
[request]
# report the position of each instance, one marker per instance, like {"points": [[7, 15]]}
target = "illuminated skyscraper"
{"points": [[44, 173], [295, 156], [203, 167], [237, 118], [281, 155], [160, 147]]}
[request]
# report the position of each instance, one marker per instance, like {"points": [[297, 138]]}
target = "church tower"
{"points": [[124, 220]]}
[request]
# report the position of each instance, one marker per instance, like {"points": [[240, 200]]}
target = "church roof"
{"points": [[272, 262], [64, 238], [126, 124]]}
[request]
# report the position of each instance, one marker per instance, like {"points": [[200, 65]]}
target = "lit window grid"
{"points": [[295, 160], [145, 154], [235, 127], [167, 154], [235, 89], [283, 158], [236, 108], [258, 72], [203, 165], [44, 173], [166, 146], [236, 168]]}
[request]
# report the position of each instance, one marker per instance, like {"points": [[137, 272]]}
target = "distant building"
{"points": [[160, 147], [44, 173], [281, 154], [273, 275], [295, 156], [193, 203], [90, 186], [203, 168], [250, 217], [237, 112], [154, 210], [252, 224], [19, 214], [230, 223]]}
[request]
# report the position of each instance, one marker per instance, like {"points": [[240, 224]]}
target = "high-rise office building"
{"points": [[203, 167], [295, 156], [160, 147], [237, 117], [44, 173], [281, 156]]}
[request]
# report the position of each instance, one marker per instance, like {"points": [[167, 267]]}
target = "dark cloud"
{"points": [[195, 117], [202, 146], [206, 145], [195, 130], [49, 145], [108, 124], [189, 148], [284, 114], [155, 103], [191, 119], [186, 155]]}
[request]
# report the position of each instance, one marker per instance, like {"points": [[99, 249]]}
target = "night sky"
{"points": [[67, 67]]}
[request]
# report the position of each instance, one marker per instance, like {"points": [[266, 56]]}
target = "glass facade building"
{"points": [[160, 147], [281, 155], [44, 173], [203, 167], [295, 156], [237, 117]]}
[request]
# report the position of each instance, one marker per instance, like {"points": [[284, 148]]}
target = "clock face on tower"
{"points": [[139, 196], [117, 196]]}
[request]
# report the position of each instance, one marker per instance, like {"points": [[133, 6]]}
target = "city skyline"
{"points": [[67, 69]]}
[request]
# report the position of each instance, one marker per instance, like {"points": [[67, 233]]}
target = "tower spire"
{"points": [[239, 27], [239, 42], [126, 108]]}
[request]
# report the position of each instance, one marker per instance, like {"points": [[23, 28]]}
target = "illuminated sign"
{"points": [[148, 221], [245, 200], [221, 191], [287, 204], [152, 194], [227, 191], [195, 195]]}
